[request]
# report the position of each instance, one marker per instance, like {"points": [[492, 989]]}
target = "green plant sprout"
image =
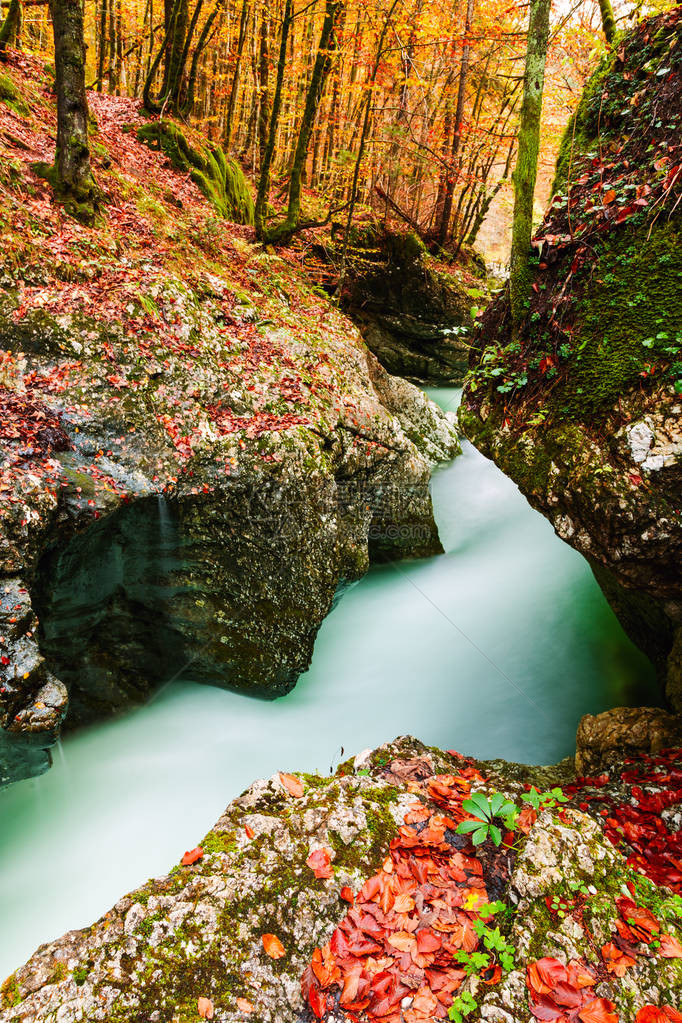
{"points": [[485, 811]]}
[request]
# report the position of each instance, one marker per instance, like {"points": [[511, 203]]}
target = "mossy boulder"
{"points": [[584, 409], [198, 931], [220, 178], [414, 311]]}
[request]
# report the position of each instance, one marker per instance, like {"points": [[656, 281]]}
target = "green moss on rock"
{"points": [[220, 179]]}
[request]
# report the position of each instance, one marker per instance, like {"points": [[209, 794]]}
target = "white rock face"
{"points": [[640, 438]]}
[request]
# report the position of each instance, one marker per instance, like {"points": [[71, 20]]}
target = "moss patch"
{"points": [[219, 178], [630, 314]]}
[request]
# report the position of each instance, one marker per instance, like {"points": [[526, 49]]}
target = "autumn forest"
{"points": [[341, 511]]}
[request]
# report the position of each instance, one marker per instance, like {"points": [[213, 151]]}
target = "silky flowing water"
{"points": [[495, 648]]}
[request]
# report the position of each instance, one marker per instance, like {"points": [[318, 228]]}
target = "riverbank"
{"points": [[185, 410], [255, 923], [496, 647]]}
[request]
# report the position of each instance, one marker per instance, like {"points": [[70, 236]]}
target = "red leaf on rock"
{"points": [[318, 1002], [192, 856], [320, 863], [600, 1010], [543, 975], [273, 946], [617, 962], [579, 975], [346, 894], [205, 1008], [292, 784], [670, 947], [244, 1005], [650, 1014]]}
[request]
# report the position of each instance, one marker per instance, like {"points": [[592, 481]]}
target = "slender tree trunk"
{"points": [[11, 26], [319, 75], [608, 20], [102, 45], [264, 83], [72, 174], [525, 173], [234, 88], [446, 212], [264, 180]]}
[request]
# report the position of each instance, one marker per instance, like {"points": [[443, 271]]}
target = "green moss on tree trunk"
{"points": [[72, 178], [525, 174]]}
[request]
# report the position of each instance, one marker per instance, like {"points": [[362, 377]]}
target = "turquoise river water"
{"points": [[496, 648]]}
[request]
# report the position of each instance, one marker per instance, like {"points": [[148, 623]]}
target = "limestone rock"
{"points": [[195, 494], [604, 737]]}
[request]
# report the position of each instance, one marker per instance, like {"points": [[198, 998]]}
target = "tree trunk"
{"points": [[446, 211], [264, 179], [72, 173], [234, 88], [263, 84], [525, 173], [101, 60], [608, 21], [11, 26], [319, 75]]}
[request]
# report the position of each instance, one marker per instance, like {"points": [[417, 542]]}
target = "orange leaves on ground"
{"points": [[652, 1014], [205, 1008], [346, 894], [543, 975], [273, 946], [609, 196], [292, 784], [555, 990], [670, 947], [616, 961], [192, 856], [400, 935], [642, 924], [320, 863], [249, 831], [244, 1005], [599, 1010], [324, 966]]}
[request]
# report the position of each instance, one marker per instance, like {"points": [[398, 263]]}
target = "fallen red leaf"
{"points": [[292, 784], [670, 947], [273, 946], [320, 863], [346, 894], [600, 1010], [192, 856], [651, 1014], [205, 1008]]}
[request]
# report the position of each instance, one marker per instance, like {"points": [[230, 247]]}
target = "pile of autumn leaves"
{"points": [[565, 994], [392, 958], [636, 826]]}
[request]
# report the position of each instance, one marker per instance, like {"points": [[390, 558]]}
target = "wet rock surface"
{"points": [[414, 312], [622, 731], [198, 932]]}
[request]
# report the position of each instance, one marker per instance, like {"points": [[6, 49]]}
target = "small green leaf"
{"points": [[495, 834], [479, 837]]}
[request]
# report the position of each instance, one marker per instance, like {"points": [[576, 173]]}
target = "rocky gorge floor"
{"points": [[185, 411], [353, 898]]}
